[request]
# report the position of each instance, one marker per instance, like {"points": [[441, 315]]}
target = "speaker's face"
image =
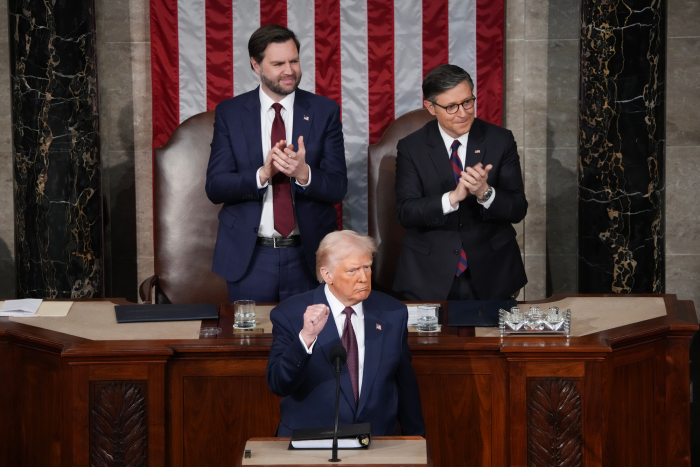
{"points": [[460, 122], [350, 281]]}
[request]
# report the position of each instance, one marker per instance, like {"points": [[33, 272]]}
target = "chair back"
{"points": [[383, 220], [185, 222]]}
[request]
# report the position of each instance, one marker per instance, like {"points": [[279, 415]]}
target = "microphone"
{"points": [[338, 356]]}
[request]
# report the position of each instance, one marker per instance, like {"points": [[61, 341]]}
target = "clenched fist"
{"points": [[315, 319]]}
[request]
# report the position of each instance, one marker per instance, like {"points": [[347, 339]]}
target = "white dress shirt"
{"points": [[358, 324], [462, 154], [267, 116]]}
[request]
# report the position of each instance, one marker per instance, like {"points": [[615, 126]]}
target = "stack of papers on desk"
{"points": [[25, 307], [34, 307]]}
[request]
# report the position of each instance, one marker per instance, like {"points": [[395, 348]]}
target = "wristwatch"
{"points": [[487, 195]]}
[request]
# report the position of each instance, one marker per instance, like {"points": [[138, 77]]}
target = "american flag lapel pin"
{"points": [[379, 326], [477, 151], [306, 117]]}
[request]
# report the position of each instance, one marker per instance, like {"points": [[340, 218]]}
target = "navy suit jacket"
{"points": [[306, 382], [236, 155], [430, 249]]}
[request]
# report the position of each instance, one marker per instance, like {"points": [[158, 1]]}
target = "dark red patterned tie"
{"points": [[350, 343], [457, 172], [281, 189]]}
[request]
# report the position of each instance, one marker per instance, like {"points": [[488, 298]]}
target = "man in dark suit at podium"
{"points": [[459, 189], [378, 384], [277, 164]]}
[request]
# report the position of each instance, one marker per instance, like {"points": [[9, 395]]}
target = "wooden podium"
{"points": [[389, 451]]}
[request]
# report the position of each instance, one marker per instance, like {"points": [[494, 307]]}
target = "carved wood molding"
{"points": [[118, 425], [554, 424]]}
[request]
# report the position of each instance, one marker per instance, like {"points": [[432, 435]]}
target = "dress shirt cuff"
{"points": [[486, 204], [308, 181], [310, 348], [446, 207], [257, 180]]}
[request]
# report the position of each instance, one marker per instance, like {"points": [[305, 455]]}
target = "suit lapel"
{"points": [[440, 157], [251, 130], [301, 126], [303, 118], [476, 149], [374, 340], [326, 339]]}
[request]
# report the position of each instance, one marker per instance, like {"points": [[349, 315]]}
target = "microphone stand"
{"points": [[337, 411]]}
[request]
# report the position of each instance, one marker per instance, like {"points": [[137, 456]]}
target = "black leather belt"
{"points": [[279, 242]]}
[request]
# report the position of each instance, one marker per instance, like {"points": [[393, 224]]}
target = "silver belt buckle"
{"points": [[274, 242]]}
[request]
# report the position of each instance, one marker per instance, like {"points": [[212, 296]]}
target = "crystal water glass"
{"points": [[244, 314], [427, 318]]}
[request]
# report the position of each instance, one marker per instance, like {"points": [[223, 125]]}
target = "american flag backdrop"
{"points": [[370, 56]]}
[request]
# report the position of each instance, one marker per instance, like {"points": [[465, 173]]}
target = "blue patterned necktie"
{"points": [[457, 172]]}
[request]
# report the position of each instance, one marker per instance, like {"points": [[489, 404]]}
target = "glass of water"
{"points": [[427, 318], [244, 314]]}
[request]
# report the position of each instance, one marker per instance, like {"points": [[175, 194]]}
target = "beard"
{"points": [[276, 87]]}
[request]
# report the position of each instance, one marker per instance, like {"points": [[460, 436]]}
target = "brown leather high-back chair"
{"points": [[185, 222], [384, 224]]}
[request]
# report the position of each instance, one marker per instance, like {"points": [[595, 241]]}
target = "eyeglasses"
{"points": [[453, 108]]}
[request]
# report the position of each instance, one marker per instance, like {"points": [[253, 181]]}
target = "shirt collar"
{"points": [[449, 139], [266, 102], [337, 307]]}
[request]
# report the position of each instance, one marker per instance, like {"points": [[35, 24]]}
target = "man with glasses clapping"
{"points": [[459, 189]]}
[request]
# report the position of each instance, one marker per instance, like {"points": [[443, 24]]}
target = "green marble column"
{"points": [[57, 172]]}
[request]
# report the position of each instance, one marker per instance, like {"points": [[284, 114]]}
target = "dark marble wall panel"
{"points": [[621, 146], [58, 207]]}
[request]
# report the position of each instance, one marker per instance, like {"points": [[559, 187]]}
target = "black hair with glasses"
{"points": [[264, 36], [443, 78]]}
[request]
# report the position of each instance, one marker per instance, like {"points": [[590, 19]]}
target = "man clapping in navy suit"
{"points": [[378, 384], [277, 164]]}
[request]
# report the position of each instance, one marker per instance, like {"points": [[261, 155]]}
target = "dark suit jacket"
{"points": [[430, 249], [236, 155], [389, 393]]}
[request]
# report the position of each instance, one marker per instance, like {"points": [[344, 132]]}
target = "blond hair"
{"points": [[336, 246]]}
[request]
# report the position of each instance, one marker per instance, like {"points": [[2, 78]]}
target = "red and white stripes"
{"points": [[370, 56]]}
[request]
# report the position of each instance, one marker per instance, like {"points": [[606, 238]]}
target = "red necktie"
{"points": [[457, 169], [350, 343], [281, 189]]}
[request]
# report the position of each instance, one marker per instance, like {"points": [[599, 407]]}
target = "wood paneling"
{"points": [[463, 429], [677, 388], [7, 418], [118, 424], [556, 369], [633, 384], [220, 413], [117, 372], [554, 423], [39, 410], [632, 408], [592, 398]]}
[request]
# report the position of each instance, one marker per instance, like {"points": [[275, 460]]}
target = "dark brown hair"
{"points": [[264, 36], [443, 78]]}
